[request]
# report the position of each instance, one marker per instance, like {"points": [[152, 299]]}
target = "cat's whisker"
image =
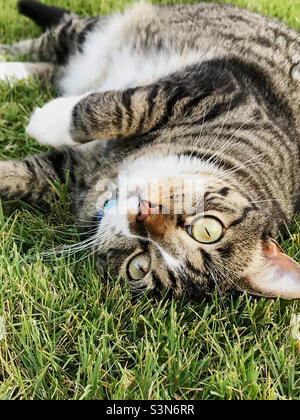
{"points": [[244, 165], [218, 290], [74, 248], [224, 148], [227, 143], [88, 232], [85, 244]]}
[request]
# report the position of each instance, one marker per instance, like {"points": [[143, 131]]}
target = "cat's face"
{"points": [[170, 224]]}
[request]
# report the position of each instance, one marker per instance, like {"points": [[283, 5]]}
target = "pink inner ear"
{"points": [[272, 248], [281, 276]]}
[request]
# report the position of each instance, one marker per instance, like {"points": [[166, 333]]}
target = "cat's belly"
{"points": [[109, 60]]}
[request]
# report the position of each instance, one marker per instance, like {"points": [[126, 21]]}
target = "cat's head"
{"points": [[172, 224]]}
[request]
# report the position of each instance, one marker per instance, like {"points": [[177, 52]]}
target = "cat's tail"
{"points": [[45, 16]]}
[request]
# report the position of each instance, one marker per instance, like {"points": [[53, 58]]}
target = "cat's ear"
{"points": [[279, 276]]}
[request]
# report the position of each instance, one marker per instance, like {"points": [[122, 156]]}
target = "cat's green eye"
{"points": [[206, 230], [139, 266]]}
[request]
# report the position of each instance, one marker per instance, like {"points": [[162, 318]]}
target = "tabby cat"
{"points": [[163, 105]]}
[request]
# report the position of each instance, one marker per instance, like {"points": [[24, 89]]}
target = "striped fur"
{"points": [[218, 99]]}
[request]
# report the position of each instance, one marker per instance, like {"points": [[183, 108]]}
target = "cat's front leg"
{"points": [[25, 180], [30, 179], [68, 121]]}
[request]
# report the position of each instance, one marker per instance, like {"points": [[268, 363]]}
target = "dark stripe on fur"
{"points": [[158, 284], [173, 279], [242, 218]]}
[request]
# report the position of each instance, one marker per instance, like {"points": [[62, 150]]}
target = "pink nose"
{"points": [[145, 208]]}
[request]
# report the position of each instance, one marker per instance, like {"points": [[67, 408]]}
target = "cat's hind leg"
{"points": [[64, 33], [32, 179]]}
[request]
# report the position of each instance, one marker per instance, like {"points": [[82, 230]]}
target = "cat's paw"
{"points": [[12, 71], [50, 125]]}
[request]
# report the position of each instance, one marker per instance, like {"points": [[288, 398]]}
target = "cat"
{"points": [[196, 103]]}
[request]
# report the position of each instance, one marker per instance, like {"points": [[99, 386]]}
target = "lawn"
{"points": [[65, 334]]}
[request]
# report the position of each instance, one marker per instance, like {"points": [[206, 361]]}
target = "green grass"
{"points": [[70, 335]]}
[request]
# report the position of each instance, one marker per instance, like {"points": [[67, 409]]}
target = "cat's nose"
{"points": [[145, 208]]}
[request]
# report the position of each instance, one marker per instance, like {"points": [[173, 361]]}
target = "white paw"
{"points": [[17, 71], [50, 125]]}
